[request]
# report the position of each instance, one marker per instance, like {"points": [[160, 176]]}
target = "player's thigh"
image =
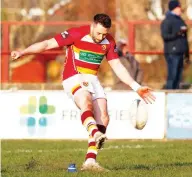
{"points": [[83, 100], [81, 97], [100, 111]]}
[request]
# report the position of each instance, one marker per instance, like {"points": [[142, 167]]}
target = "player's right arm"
{"points": [[63, 39], [36, 48]]}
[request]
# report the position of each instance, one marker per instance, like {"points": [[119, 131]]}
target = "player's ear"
{"points": [[94, 24]]}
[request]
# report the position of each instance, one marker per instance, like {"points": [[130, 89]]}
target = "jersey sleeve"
{"points": [[67, 37], [112, 51]]}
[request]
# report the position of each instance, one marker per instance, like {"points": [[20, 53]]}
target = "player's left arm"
{"points": [[120, 70], [124, 75]]}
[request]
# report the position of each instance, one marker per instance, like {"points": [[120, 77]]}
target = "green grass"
{"points": [[50, 158]]}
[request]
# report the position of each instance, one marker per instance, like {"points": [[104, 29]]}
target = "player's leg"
{"points": [[90, 163], [102, 119], [83, 100], [100, 108], [100, 112], [91, 151], [101, 115]]}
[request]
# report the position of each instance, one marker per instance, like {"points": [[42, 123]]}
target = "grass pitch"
{"points": [[124, 158]]}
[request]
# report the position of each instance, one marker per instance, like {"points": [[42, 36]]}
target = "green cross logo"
{"points": [[34, 107]]}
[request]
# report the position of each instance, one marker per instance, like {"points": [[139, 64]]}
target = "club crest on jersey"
{"points": [[104, 47], [86, 84], [64, 34]]}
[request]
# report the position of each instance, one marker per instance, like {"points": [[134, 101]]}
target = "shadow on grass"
{"points": [[153, 167]]}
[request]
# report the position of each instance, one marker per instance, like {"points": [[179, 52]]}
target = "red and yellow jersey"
{"points": [[83, 54]]}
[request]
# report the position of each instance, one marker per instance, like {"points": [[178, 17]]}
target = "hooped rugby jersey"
{"points": [[83, 54]]}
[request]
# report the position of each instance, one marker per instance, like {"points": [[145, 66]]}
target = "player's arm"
{"points": [[36, 48], [63, 39], [124, 75], [120, 70]]}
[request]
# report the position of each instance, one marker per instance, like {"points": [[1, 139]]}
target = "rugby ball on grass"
{"points": [[138, 114]]}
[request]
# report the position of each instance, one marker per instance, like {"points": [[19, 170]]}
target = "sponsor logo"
{"points": [[64, 34], [181, 118], [36, 116], [90, 57]]}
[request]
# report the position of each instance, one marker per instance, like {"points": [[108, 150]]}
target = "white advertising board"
{"points": [[52, 115]]}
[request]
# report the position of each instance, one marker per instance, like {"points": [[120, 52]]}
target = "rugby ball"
{"points": [[138, 114]]}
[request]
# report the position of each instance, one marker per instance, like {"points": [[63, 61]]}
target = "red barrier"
{"points": [[5, 39]]}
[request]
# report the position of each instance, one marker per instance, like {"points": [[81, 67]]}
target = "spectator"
{"points": [[176, 48], [129, 61]]}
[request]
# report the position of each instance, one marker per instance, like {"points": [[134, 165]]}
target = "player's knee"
{"points": [[86, 104], [84, 101]]}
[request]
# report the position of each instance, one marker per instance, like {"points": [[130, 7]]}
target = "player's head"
{"points": [[100, 27]]}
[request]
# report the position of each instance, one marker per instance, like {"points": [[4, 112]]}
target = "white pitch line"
{"points": [[80, 149]]}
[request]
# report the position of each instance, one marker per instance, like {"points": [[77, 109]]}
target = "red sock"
{"points": [[89, 122], [92, 150]]}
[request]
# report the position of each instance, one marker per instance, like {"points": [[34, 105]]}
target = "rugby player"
{"points": [[86, 48]]}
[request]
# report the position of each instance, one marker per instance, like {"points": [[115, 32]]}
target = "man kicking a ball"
{"points": [[86, 48]]}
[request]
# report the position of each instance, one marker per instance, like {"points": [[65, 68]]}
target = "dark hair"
{"points": [[103, 19], [173, 4]]}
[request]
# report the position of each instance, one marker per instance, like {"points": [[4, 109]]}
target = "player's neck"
{"points": [[91, 30]]}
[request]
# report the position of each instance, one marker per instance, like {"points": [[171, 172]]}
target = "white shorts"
{"points": [[87, 82]]}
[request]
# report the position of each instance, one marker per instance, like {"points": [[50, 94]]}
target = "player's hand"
{"points": [[15, 55], [145, 93]]}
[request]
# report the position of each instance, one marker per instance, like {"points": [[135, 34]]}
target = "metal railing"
{"points": [[5, 51]]}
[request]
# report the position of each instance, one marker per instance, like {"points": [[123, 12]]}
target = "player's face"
{"points": [[98, 32]]}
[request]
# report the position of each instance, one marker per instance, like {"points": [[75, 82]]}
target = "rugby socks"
{"points": [[101, 128], [92, 151], [89, 122]]}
